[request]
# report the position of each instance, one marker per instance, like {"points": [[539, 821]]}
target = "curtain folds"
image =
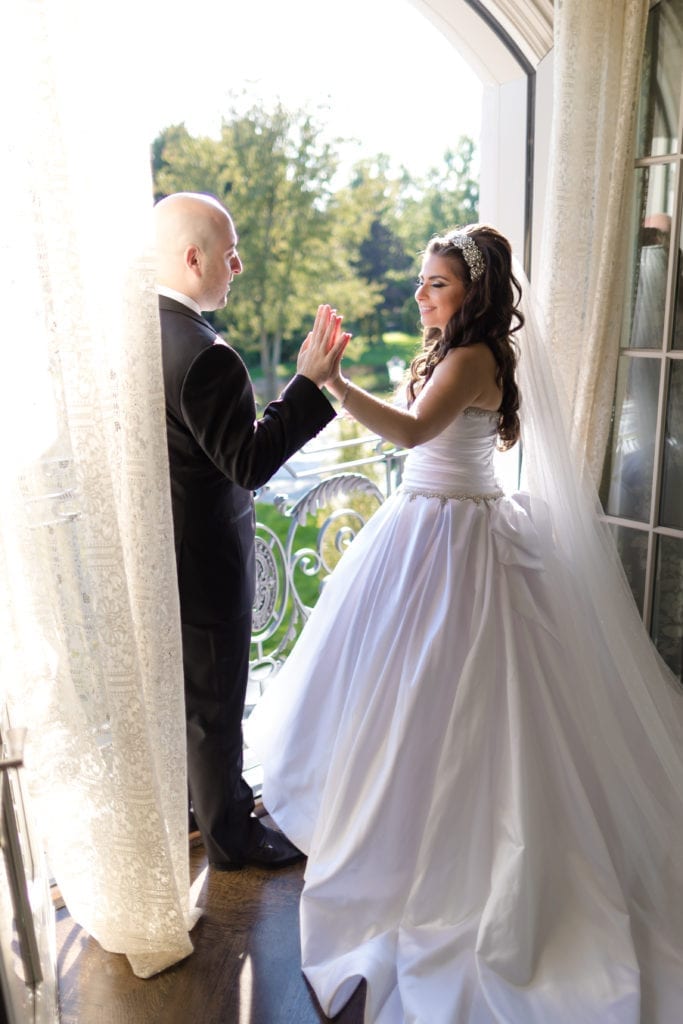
{"points": [[90, 654], [597, 61]]}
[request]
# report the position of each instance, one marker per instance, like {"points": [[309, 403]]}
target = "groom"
{"points": [[218, 454]]}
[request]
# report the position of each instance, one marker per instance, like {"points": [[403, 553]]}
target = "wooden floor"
{"points": [[245, 968]]}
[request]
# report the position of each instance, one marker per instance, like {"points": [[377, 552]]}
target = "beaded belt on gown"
{"points": [[478, 499]]}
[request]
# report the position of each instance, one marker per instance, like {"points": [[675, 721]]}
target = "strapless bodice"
{"points": [[459, 461]]}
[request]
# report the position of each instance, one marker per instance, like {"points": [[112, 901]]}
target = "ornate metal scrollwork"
{"points": [[267, 585], [338, 507], [272, 584], [340, 486]]}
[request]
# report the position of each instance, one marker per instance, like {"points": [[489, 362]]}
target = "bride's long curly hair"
{"points": [[488, 314]]}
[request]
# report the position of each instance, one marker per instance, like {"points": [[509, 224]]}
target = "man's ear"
{"points": [[193, 259]]}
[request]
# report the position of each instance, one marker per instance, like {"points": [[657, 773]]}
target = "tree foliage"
{"points": [[304, 239], [371, 201], [273, 170], [446, 198]]}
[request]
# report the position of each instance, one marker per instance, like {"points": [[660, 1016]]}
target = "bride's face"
{"points": [[440, 292]]}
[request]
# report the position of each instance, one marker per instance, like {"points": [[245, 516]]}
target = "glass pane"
{"points": [[678, 301], [632, 548], [627, 475], [661, 81], [653, 206], [667, 619], [671, 504]]}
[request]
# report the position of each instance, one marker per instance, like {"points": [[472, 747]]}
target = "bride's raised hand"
{"points": [[321, 352], [337, 347]]}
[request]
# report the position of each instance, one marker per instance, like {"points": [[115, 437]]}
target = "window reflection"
{"points": [[632, 548], [667, 620], [648, 313], [627, 478], [654, 201], [678, 300], [671, 505], [661, 80]]}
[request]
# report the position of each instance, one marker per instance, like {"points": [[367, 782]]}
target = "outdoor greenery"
{"points": [[317, 536], [304, 238]]}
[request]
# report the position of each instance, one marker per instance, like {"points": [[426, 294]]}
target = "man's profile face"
{"points": [[221, 264]]}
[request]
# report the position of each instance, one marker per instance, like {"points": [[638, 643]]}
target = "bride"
{"points": [[474, 740]]}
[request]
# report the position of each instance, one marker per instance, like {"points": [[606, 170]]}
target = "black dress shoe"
{"points": [[267, 849]]}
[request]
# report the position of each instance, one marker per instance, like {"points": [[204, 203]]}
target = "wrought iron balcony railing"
{"points": [[304, 522]]}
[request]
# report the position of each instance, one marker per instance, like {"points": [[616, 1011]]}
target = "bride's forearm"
{"points": [[392, 423]]}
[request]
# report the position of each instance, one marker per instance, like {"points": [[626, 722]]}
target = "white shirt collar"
{"points": [[171, 293]]}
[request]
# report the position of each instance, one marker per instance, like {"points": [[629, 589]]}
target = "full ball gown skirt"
{"points": [[475, 847]]}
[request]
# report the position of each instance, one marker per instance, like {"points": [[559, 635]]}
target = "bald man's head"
{"points": [[196, 247]]}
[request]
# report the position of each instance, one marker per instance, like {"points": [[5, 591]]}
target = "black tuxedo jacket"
{"points": [[218, 454]]}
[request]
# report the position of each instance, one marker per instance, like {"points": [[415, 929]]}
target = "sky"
{"points": [[390, 79]]}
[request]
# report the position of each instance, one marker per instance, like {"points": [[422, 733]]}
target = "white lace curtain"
{"points": [[597, 60], [90, 657]]}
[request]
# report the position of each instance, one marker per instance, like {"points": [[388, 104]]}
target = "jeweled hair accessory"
{"points": [[472, 254]]}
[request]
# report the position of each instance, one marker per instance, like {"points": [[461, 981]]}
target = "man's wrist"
{"points": [[317, 383]]}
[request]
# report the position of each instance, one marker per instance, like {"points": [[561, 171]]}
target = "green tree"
{"points": [[185, 163], [274, 171], [371, 202], [446, 198]]}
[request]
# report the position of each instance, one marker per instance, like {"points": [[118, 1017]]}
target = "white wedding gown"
{"points": [[491, 836]]}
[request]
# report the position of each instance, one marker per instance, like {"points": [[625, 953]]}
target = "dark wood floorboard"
{"points": [[245, 968]]}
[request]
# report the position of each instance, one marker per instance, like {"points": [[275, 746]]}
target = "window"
{"points": [[642, 482]]}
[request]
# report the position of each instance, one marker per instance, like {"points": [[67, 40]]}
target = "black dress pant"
{"points": [[216, 666]]}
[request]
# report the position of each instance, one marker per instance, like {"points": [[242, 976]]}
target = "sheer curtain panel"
{"points": [[89, 629], [597, 59]]}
